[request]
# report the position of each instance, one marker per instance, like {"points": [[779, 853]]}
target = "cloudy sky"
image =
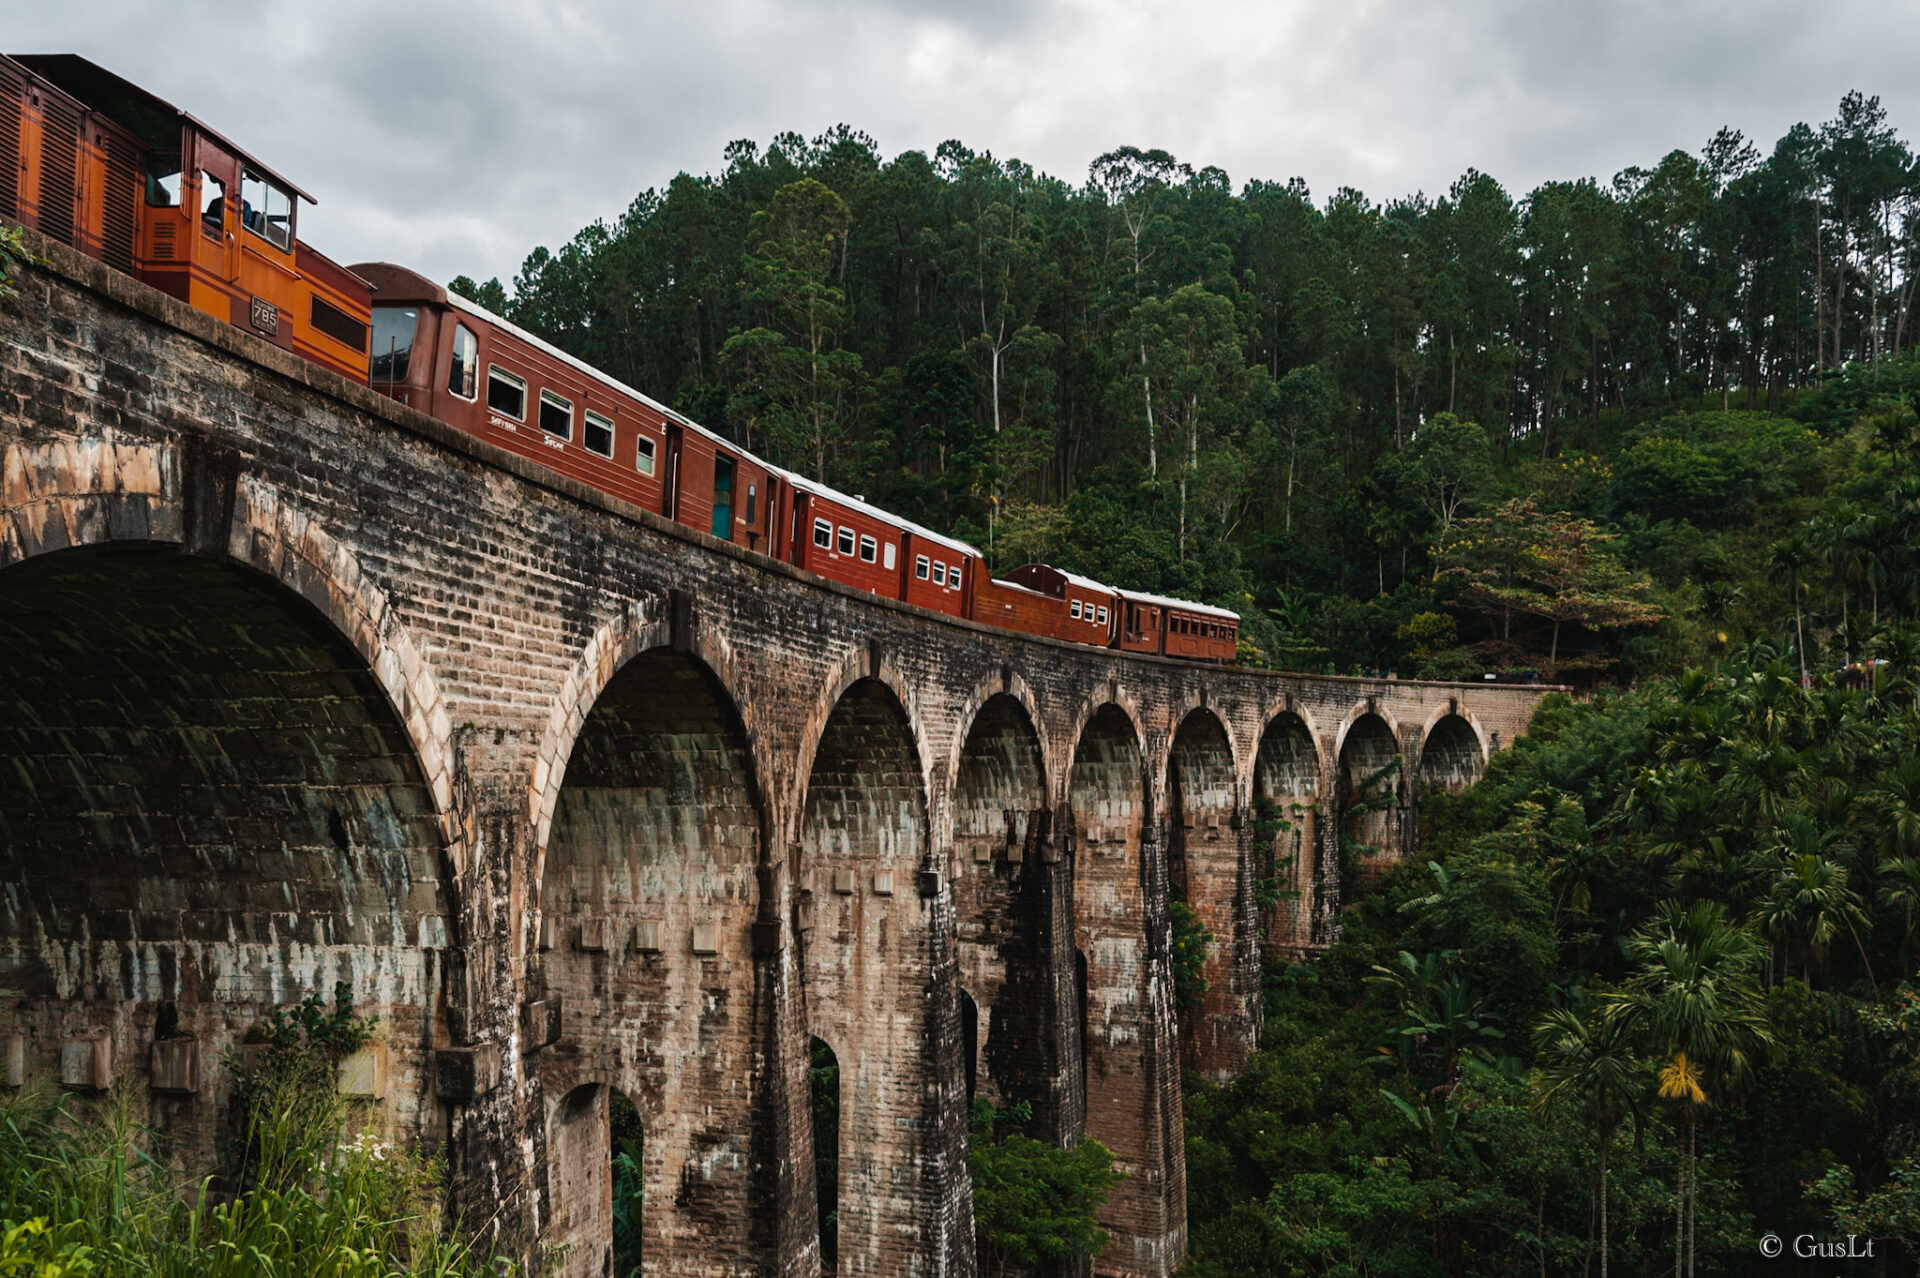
{"points": [[453, 137]]}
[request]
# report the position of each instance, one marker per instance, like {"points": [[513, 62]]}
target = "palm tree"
{"points": [[1810, 901], [1696, 999], [1793, 556], [1591, 1057]]}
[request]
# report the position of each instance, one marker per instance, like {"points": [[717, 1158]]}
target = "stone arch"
{"points": [[1007, 891], [1204, 870], [1286, 827], [647, 910], [878, 988], [1114, 697], [580, 1181], [215, 807], [642, 625], [69, 494], [1131, 1081], [1452, 755], [865, 666], [1371, 796]]}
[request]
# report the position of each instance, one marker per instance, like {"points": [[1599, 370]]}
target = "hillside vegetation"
{"points": [[1647, 992]]}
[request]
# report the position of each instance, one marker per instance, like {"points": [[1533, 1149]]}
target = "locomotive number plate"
{"points": [[266, 316]]}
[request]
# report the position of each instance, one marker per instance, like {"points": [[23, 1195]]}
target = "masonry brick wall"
{"points": [[436, 625]]}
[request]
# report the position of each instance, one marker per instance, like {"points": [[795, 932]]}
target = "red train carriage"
{"points": [[1085, 611], [459, 362], [1177, 628], [849, 541], [96, 162]]}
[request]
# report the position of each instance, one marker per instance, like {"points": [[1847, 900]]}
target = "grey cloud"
{"points": [[454, 137]]}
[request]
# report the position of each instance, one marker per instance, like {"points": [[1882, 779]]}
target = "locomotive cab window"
{"points": [[556, 415], [266, 210], [922, 568], [463, 373], [643, 455], [393, 329], [823, 534], [597, 434], [213, 203], [163, 179], [869, 550], [506, 394]]}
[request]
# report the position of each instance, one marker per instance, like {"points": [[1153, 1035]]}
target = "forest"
{"points": [[1647, 992]]}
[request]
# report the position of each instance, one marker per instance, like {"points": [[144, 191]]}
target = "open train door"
{"points": [[670, 501]]}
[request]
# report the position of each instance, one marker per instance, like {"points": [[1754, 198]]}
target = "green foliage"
{"points": [[13, 255], [98, 1199], [1034, 1203], [1191, 937]]}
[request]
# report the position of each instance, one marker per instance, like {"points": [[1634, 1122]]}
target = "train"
{"points": [[89, 159]]}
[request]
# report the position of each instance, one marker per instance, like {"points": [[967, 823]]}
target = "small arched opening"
{"points": [[824, 1090]]}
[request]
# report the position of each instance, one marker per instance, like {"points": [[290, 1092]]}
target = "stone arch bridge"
{"points": [[298, 687]]}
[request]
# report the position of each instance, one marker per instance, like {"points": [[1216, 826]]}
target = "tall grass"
{"points": [[86, 1190]]}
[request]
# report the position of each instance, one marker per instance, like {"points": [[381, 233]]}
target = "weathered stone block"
{"points": [[595, 934], [13, 1059], [463, 1075], [176, 1066], [363, 1075], [540, 1023], [87, 1063], [706, 938]]}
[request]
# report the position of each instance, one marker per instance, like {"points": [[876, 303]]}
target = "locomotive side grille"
{"points": [[59, 161], [12, 91], [120, 211], [163, 240], [339, 325]]}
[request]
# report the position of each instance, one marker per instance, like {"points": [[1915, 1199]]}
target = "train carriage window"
{"points": [[869, 550], [1103, 615], [939, 573], [506, 394], [823, 534], [1076, 610], [846, 541], [921, 567], [266, 210], [597, 434], [393, 328], [753, 504], [463, 372], [643, 455], [556, 415], [889, 559]]}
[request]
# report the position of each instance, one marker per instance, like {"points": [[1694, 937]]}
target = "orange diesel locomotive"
{"points": [[91, 160]]}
